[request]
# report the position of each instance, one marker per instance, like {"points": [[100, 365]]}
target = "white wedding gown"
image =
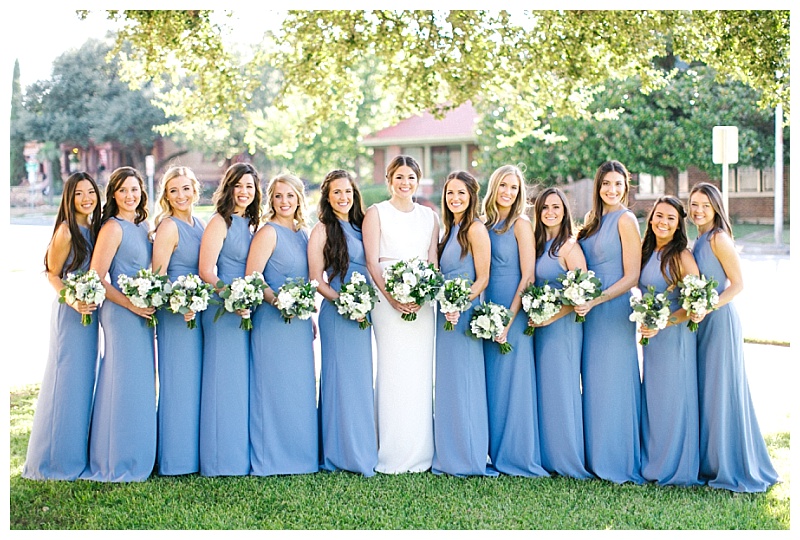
{"points": [[405, 349]]}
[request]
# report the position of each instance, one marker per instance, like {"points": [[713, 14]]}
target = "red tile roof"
{"points": [[459, 124]]}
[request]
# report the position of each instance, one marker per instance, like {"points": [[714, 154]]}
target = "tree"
{"points": [[533, 63], [662, 132], [17, 139]]}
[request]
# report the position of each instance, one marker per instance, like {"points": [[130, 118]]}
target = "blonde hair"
{"points": [[301, 212], [165, 209], [489, 208]]}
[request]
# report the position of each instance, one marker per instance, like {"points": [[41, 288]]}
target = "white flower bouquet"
{"points": [[189, 293], [356, 299], [82, 286], [488, 321], [698, 295], [650, 310], [146, 289], [579, 287], [454, 296], [296, 298], [412, 280], [242, 293], [540, 303]]}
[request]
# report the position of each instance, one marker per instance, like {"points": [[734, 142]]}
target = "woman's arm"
{"points": [[164, 245], [316, 261], [481, 248], [261, 249], [210, 246], [724, 249], [433, 247], [523, 232], [570, 256]]}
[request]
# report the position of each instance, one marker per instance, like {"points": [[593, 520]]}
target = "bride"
{"points": [[394, 230]]}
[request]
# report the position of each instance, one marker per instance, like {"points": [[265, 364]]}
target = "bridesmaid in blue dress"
{"points": [[610, 362], [670, 417], [511, 378], [122, 440], [461, 421], [733, 454], [58, 446], [346, 398], [558, 341], [176, 251], [283, 394], [224, 404]]}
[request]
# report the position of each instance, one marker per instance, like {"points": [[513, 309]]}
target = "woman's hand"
{"points": [[84, 308], [452, 317], [647, 332], [189, 316], [586, 307], [146, 312], [502, 338], [410, 307], [697, 317]]}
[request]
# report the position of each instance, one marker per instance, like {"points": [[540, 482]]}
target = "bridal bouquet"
{"points": [[698, 295], [82, 286], [579, 287], [356, 299], [412, 280], [454, 296], [488, 322], [540, 303], [296, 298], [146, 289], [242, 293], [189, 293], [650, 310]]}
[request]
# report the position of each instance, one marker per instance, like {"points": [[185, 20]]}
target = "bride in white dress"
{"points": [[395, 230]]}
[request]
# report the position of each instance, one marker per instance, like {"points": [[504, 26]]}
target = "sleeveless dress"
{"points": [[180, 363], [461, 418], [346, 398], [122, 439], [58, 446], [557, 349], [733, 454], [670, 417], [404, 363], [224, 405], [283, 386], [511, 378], [610, 367]]}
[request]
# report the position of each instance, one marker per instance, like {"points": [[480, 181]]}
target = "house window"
{"points": [[651, 185], [752, 180], [416, 152]]}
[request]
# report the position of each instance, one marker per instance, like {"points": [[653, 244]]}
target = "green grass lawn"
{"points": [[347, 501]]}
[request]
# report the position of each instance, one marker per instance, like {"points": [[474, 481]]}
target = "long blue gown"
{"points": [[58, 447], [610, 367], [122, 439], [733, 454], [224, 405], [180, 362], [461, 417], [284, 432], [511, 378], [670, 417], [557, 349], [346, 399]]}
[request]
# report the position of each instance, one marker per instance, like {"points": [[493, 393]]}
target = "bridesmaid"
{"points": [[394, 230], [283, 393], [610, 364], [346, 399], [176, 251], [511, 378], [224, 405], [122, 442], [733, 454], [558, 341], [461, 423], [57, 449], [670, 417]]}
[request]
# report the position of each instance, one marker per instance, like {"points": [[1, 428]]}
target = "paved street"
{"points": [[764, 311]]}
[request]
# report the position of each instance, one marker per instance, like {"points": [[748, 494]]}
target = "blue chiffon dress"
{"points": [[58, 446], [610, 367], [180, 363], [670, 417], [224, 405], [461, 417], [284, 431], [122, 439], [511, 378], [346, 398], [733, 454], [557, 349]]}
